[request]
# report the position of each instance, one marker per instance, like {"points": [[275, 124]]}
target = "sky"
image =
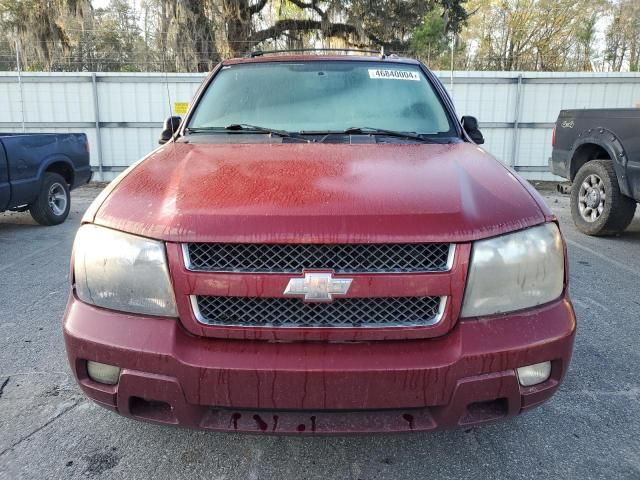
{"points": [[104, 3]]}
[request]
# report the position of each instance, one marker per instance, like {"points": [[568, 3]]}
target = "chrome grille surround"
{"points": [[341, 258], [375, 312]]}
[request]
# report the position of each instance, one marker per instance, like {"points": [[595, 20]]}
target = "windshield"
{"points": [[323, 96]]}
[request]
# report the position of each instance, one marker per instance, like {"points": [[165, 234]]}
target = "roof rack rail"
{"points": [[260, 53]]}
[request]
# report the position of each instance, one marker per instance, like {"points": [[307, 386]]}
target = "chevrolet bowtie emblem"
{"points": [[318, 287]]}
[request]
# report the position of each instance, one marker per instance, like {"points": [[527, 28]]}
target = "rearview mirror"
{"points": [[470, 125], [171, 125]]}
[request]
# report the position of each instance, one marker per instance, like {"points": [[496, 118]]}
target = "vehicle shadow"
{"points": [[16, 218], [632, 232], [634, 228], [500, 450], [16, 221]]}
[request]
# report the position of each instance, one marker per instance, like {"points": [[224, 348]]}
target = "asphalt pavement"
{"points": [[590, 429]]}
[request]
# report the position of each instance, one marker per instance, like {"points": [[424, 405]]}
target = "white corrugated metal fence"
{"points": [[122, 113]]}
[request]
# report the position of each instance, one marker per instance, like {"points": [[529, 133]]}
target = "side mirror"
{"points": [[170, 127], [470, 125]]}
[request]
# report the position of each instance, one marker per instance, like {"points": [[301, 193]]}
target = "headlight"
{"points": [[515, 271], [122, 272]]}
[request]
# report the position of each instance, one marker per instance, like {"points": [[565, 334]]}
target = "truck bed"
{"points": [[24, 157]]}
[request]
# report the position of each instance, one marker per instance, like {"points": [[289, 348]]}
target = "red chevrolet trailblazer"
{"points": [[319, 247]]}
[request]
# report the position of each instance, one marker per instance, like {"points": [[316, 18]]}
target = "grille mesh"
{"points": [[293, 312], [342, 258]]}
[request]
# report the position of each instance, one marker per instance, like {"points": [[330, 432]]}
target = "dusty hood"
{"points": [[319, 193]]}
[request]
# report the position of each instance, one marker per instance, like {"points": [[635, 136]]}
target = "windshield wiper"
{"points": [[247, 128], [389, 133]]}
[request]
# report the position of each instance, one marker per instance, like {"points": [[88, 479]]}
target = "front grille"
{"points": [[342, 313], [294, 258]]}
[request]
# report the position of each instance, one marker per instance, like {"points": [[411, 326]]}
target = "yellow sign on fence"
{"points": [[180, 108]]}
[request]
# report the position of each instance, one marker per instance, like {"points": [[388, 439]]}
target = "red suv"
{"points": [[319, 247]]}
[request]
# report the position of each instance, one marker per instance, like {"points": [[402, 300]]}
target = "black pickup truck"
{"points": [[599, 152], [37, 172]]}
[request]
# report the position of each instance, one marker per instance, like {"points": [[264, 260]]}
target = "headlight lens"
{"points": [[515, 271], [122, 272]]}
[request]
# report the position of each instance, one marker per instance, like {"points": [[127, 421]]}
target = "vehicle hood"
{"points": [[318, 193]]}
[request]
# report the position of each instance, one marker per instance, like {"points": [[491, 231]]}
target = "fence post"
{"points": [[20, 83], [515, 143], [96, 117], [453, 46]]}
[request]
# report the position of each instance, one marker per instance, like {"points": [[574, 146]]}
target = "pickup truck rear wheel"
{"points": [[597, 205], [53, 202]]}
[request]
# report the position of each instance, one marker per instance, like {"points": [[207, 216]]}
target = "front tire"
{"points": [[53, 202], [597, 206]]}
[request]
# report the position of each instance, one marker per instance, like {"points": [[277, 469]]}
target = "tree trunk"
{"points": [[237, 17]]}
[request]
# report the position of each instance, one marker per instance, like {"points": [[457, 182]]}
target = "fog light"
{"points": [[103, 373], [534, 374]]}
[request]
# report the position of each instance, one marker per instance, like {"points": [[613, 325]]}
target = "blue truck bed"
{"points": [[26, 159]]}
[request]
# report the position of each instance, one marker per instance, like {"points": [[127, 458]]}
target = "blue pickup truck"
{"points": [[37, 172]]}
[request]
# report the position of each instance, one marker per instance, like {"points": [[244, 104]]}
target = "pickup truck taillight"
{"points": [[553, 137]]}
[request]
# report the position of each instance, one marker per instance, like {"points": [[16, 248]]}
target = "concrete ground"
{"points": [[591, 429]]}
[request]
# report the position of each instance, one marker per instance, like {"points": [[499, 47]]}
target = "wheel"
{"points": [[597, 206], [53, 202]]}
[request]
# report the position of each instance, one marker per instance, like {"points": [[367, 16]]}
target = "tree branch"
{"points": [[253, 9], [281, 26], [309, 6], [328, 30]]}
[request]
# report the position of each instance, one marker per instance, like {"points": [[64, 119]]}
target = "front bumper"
{"points": [[465, 377]]}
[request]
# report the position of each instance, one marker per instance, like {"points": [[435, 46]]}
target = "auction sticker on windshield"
{"points": [[393, 74]]}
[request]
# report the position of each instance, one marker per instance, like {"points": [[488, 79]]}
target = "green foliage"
{"points": [[193, 35], [623, 36], [40, 25], [430, 41], [545, 35]]}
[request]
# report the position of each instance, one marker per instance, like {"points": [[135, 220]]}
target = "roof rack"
{"points": [[260, 53]]}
